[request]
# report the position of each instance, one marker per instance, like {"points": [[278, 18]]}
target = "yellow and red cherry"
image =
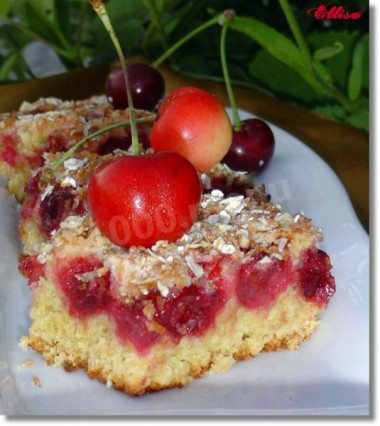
{"points": [[139, 200], [192, 123], [252, 146], [147, 86]]}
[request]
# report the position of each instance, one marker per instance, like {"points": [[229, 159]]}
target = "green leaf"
{"points": [[38, 21], [360, 119], [323, 72], [324, 53], [62, 18], [336, 111], [281, 79], [5, 6], [8, 65], [366, 62], [356, 75], [275, 43], [338, 65], [44, 9]]}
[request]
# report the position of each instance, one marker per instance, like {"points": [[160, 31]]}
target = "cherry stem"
{"points": [[70, 152], [187, 37], [228, 17], [103, 15], [294, 27]]}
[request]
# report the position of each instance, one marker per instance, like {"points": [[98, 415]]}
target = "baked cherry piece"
{"points": [[53, 208], [260, 283], [147, 86], [316, 280], [30, 268], [252, 147], [193, 123], [139, 200], [191, 312], [86, 292]]}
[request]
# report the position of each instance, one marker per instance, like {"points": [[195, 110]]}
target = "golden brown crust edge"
{"points": [[244, 352]]}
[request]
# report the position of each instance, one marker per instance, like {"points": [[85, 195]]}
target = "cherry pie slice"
{"points": [[245, 278], [53, 125]]}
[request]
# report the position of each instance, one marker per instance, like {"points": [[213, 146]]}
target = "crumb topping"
{"points": [[240, 226]]}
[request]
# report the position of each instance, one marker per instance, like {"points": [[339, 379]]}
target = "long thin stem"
{"points": [[333, 93], [70, 152], [297, 33], [235, 114], [103, 15], [184, 39], [301, 42]]}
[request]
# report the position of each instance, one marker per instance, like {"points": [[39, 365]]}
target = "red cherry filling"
{"points": [[33, 191], [31, 186], [30, 268], [55, 207], [132, 325], [8, 151], [54, 143], [191, 312], [86, 291], [260, 282], [317, 283]]}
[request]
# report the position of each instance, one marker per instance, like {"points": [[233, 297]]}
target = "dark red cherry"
{"points": [[252, 147], [147, 86], [123, 142]]}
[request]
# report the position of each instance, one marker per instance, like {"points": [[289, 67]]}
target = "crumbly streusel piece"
{"points": [[52, 125]]}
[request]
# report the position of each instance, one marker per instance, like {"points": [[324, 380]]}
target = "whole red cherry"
{"points": [[252, 147], [193, 123], [147, 86], [139, 200]]}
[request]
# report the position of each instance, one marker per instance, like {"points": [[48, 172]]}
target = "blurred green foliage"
{"points": [[261, 50]]}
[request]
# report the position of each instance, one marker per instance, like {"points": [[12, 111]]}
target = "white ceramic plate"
{"points": [[328, 374]]}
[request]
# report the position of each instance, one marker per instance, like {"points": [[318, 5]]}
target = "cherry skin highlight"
{"points": [[193, 123], [147, 86], [139, 200], [252, 147]]}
